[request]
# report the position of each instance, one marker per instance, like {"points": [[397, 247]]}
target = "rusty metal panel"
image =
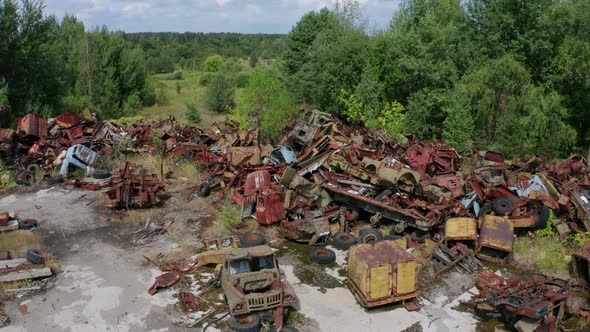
{"points": [[257, 181], [243, 155], [581, 200], [496, 234], [461, 229], [269, 208], [32, 125], [67, 120]]}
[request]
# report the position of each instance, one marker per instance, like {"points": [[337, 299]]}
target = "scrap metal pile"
{"points": [[536, 304]]}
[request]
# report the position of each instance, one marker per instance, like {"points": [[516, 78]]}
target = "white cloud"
{"points": [[248, 16]]}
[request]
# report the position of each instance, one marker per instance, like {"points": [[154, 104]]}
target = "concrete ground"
{"points": [[105, 280]]}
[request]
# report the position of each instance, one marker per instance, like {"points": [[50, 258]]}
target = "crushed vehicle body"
{"points": [[581, 263], [79, 156], [252, 283]]}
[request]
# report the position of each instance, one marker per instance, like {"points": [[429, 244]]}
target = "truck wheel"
{"points": [[55, 179], [251, 239], [370, 235], [502, 205], [245, 323], [322, 256], [27, 224], [286, 328], [101, 174], [543, 214], [420, 238], [35, 257], [204, 189], [343, 240]]}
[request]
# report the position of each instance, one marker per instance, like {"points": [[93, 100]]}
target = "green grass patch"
{"points": [[543, 254], [191, 92], [230, 216]]}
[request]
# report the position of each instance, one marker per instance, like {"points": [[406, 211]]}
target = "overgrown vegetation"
{"points": [[49, 65], [230, 215], [546, 254], [507, 75], [265, 105]]}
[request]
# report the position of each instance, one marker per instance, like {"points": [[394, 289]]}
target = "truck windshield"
{"points": [[251, 264]]}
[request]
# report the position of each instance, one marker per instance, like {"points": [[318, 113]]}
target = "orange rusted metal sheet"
{"points": [[496, 239], [67, 120], [32, 125]]}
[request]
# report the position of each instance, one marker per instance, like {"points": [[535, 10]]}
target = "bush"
{"points": [[175, 76], [205, 79], [161, 95], [253, 59], [230, 216], [148, 94], [178, 87], [192, 113], [265, 104], [213, 63], [77, 103], [220, 94], [132, 105], [242, 79]]}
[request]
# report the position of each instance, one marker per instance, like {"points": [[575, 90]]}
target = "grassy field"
{"points": [[191, 92]]}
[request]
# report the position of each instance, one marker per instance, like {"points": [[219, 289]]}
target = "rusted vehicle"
{"points": [[254, 287], [581, 200], [463, 230], [401, 217], [496, 239], [382, 273], [215, 250], [538, 303], [582, 263], [393, 173]]}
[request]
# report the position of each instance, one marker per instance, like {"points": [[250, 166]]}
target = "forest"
{"points": [[508, 75]]}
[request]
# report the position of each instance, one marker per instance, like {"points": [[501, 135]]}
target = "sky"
{"points": [[245, 16]]}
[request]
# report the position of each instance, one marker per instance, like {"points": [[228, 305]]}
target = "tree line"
{"points": [[166, 50], [503, 74], [47, 67]]}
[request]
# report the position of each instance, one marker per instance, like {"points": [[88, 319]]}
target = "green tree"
{"points": [[213, 63], [220, 94], [253, 59], [193, 115], [265, 104]]}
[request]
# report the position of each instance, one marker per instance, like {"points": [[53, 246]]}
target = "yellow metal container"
{"points": [[381, 273], [496, 239], [461, 228]]}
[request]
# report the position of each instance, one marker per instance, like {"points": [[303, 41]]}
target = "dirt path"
{"points": [[104, 285]]}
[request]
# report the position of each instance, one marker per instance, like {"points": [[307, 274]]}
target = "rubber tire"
{"points": [[204, 190], [33, 168], [55, 179], [420, 239], [286, 328], [322, 255], [370, 234], [35, 257], [485, 209], [252, 326], [26, 178], [251, 239], [543, 213], [101, 174], [343, 240], [502, 205], [392, 237], [27, 224]]}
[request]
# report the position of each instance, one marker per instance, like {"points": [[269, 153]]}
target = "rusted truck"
{"points": [[255, 289], [382, 273]]}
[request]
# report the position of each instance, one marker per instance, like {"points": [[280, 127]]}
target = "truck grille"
{"points": [[264, 302]]}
